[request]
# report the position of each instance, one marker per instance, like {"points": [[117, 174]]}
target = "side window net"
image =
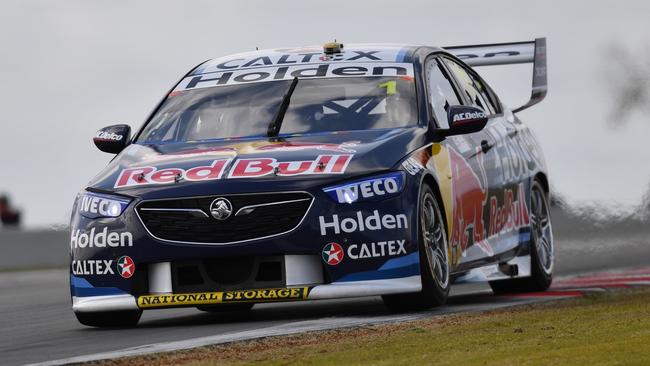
{"points": [[472, 87], [441, 92]]}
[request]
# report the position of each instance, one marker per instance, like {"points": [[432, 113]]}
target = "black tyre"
{"points": [[434, 259], [542, 252], [226, 308], [110, 319]]}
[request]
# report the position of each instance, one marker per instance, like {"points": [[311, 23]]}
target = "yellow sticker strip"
{"points": [[225, 297]]}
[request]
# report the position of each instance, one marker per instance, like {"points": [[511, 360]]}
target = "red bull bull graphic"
{"points": [[469, 197], [475, 217]]}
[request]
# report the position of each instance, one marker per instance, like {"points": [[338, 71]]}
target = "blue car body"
{"points": [[309, 215]]}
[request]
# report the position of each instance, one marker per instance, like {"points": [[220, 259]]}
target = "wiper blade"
{"points": [[274, 127]]}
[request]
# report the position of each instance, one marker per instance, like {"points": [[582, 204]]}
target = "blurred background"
{"points": [[68, 68]]}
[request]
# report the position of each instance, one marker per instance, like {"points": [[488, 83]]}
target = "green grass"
{"points": [[599, 329]]}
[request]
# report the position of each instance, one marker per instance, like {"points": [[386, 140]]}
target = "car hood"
{"points": [[241, 165]]}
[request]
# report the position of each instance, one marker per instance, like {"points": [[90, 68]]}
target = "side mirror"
{"points": [[113, 139], [465, 119]]}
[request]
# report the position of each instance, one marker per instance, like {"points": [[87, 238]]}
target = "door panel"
{"points": [[481, 175], [477, 165], [471, 163]]}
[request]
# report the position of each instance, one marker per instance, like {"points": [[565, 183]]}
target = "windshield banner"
{"points": [[324, 70]]}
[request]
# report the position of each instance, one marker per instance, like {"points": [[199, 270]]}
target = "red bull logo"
{"points": [[471, 220], [469, 197], [512, 215], [240, 168]]}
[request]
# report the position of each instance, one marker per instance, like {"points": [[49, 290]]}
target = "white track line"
{"points": [[284, 329]]}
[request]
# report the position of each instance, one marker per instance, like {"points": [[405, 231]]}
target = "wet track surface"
{"points": [[37, 324]]}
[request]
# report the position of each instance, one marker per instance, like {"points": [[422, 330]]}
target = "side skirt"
{"points": [[498, 271]]}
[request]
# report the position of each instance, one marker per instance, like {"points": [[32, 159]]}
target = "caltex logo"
{"points": [[125, 266], [333, 254]]}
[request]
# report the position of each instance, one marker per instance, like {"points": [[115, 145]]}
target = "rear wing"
{"points": [[510, 53]]}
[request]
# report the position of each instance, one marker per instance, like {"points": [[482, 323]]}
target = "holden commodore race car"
{"points": [[317, 173]]}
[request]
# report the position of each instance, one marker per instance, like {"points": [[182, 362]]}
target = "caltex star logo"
{"points": [[333, 254], [125, 266]]}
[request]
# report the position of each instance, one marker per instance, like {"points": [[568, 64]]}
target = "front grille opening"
{"points": [[188, 219], [189, 275], [269, 271], [229, 271], [221, 274]]}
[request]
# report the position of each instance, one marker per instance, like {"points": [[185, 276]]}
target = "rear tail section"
{"points": [[510, 53]]}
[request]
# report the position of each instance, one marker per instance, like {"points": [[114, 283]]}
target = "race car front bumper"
{"points": [[336, 250], [121, 302]]}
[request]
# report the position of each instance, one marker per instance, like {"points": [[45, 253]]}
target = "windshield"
{"points": [[317, 105]]}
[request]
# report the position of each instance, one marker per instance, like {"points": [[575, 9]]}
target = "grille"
{"points": [[237, 273], [253, 216]]}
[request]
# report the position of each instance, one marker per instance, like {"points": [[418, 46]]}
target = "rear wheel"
{"points": [[434, 259], [542, 252], [226, 308], [110, 319]]}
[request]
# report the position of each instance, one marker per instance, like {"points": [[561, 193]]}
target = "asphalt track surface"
{"points": [[37, 324]]}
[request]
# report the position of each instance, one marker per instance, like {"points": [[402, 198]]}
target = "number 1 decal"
{"points": [[391, 87]]}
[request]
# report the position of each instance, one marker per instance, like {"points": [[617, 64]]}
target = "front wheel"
{"points": [[434, 259], [542, 251], [110, 319]]}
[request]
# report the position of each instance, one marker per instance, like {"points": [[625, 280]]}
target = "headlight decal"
{"points": [[368, 189], [93, 205]]}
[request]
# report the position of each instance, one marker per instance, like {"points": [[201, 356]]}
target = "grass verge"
{"points": [[31, 269], [599, 329]]}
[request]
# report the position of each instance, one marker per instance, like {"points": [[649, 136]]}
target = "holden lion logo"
{"points": [[220, 209], [332, 254], [125, 266]]}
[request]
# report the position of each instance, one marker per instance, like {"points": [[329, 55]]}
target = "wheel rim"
{"points": [[541, 230], [435, 242]]}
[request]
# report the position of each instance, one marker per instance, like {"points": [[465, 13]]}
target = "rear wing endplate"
{"points": [[510, 53]]}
